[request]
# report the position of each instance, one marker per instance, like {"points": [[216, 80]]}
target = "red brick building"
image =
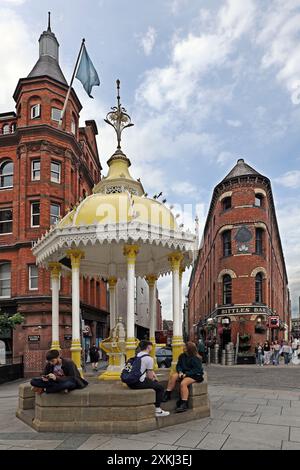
{"points": [[44, 169], [239, 282]]}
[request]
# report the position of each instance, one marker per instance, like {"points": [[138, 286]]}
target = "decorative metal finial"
{"points": [[118, 117], [49, 20]]}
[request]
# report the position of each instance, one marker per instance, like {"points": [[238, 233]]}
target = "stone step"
{"points": [[178, 418]]}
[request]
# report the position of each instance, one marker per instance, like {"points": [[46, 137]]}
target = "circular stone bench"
{"points": [[106, 407]]}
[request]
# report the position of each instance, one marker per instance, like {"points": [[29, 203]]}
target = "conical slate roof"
{"points": [[241, 169], [47, 65], [48, 62]]}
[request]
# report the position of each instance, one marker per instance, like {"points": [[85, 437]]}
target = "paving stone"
{"points": [[231, 416], [164, 447], [242, 407], [191, 439], [279, 402], [295, 434], [126, 444], [212, 441], [186, 448], [290, 411], [269, 410], [160, 436], [216, 426], [73, 442], [258, 432], [94, 441], [251, 400], [31, 444], [234, 443], [281, 420], [217, 414], [288, 445], [251, 418]]}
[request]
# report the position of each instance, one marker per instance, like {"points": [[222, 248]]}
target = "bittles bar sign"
{"points": [[244, 310]]}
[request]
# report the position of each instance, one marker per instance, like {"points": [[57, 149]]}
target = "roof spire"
{"points": [[49, 21], [118, 118]]}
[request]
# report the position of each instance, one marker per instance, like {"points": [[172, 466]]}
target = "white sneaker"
{"points": [[160, 412]]}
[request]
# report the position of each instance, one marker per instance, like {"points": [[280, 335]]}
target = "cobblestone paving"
{"points": [[251, 408]]}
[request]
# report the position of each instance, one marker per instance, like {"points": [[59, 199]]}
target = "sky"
{"points": [[205, 81]]}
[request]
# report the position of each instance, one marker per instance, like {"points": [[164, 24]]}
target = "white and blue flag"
{"points": [[86, 73]]}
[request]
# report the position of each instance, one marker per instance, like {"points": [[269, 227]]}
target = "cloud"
{"points": [[225, 157], [195, 55], [279, 37], [147, 42], [12, 2], [233, 123], [288, 213], [290, 179], [15, 64]]}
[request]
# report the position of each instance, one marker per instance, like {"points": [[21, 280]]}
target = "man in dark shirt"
{"points": [[59, 375]]}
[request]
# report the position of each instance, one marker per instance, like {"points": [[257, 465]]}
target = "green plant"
{"points": [[10, 321], [245, 337]]}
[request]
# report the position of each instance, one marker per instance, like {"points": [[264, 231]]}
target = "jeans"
{"points": [[286, 356], [148, 383], [276, 358], [53, 386], [267, 357], [260, 358]]}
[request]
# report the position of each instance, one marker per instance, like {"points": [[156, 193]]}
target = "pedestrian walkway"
{"points": [[243, 417]]}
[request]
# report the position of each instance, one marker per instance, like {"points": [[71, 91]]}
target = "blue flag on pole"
{"points": [[87, 73]]}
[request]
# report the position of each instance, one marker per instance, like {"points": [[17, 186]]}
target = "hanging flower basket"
{"points": [[260, 329], [245, 337]]}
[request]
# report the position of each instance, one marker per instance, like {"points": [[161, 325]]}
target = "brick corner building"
{"points": [[239, 282], [45, 168]]}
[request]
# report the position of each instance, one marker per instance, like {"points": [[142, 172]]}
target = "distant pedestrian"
{"points": [[94, 356], [201, 350], [276, 349], [267, 352], [286, 350], [260, 354]]}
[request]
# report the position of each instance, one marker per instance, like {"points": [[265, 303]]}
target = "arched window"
{"points": [[259, 233], [5, 129], [5, 278], [226, 203], [226, 243], [227, 290], [259, 288], [259, 199], [6, 174]]}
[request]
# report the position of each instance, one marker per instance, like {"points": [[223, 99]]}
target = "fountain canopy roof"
{"points": [[118, 213]]}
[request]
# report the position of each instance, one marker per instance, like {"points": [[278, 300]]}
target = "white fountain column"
{"points": [[55, 270], [130, 251], [151, 280], [177, 342], [76, 256]]}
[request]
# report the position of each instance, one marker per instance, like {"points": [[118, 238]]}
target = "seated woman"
{"points": [[189, 370]]}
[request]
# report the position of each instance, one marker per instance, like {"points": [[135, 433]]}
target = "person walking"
{"points": [[276, 349], [94, 356], [260, 354], [201, 350], [188, 371], [267, 352], [286, 350]]}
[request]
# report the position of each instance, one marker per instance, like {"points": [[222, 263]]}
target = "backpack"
{"points": [[131, 372]]}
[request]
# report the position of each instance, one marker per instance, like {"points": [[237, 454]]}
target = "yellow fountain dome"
{"points": [[118, 198]]}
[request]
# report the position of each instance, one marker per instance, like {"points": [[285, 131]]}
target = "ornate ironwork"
{"points": [[118, 118]]}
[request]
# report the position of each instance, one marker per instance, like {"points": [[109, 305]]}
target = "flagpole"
{"points": [[71, 83]]}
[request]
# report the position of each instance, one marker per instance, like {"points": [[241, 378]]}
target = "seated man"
{"points": [[148, 377], [59, 375]]}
